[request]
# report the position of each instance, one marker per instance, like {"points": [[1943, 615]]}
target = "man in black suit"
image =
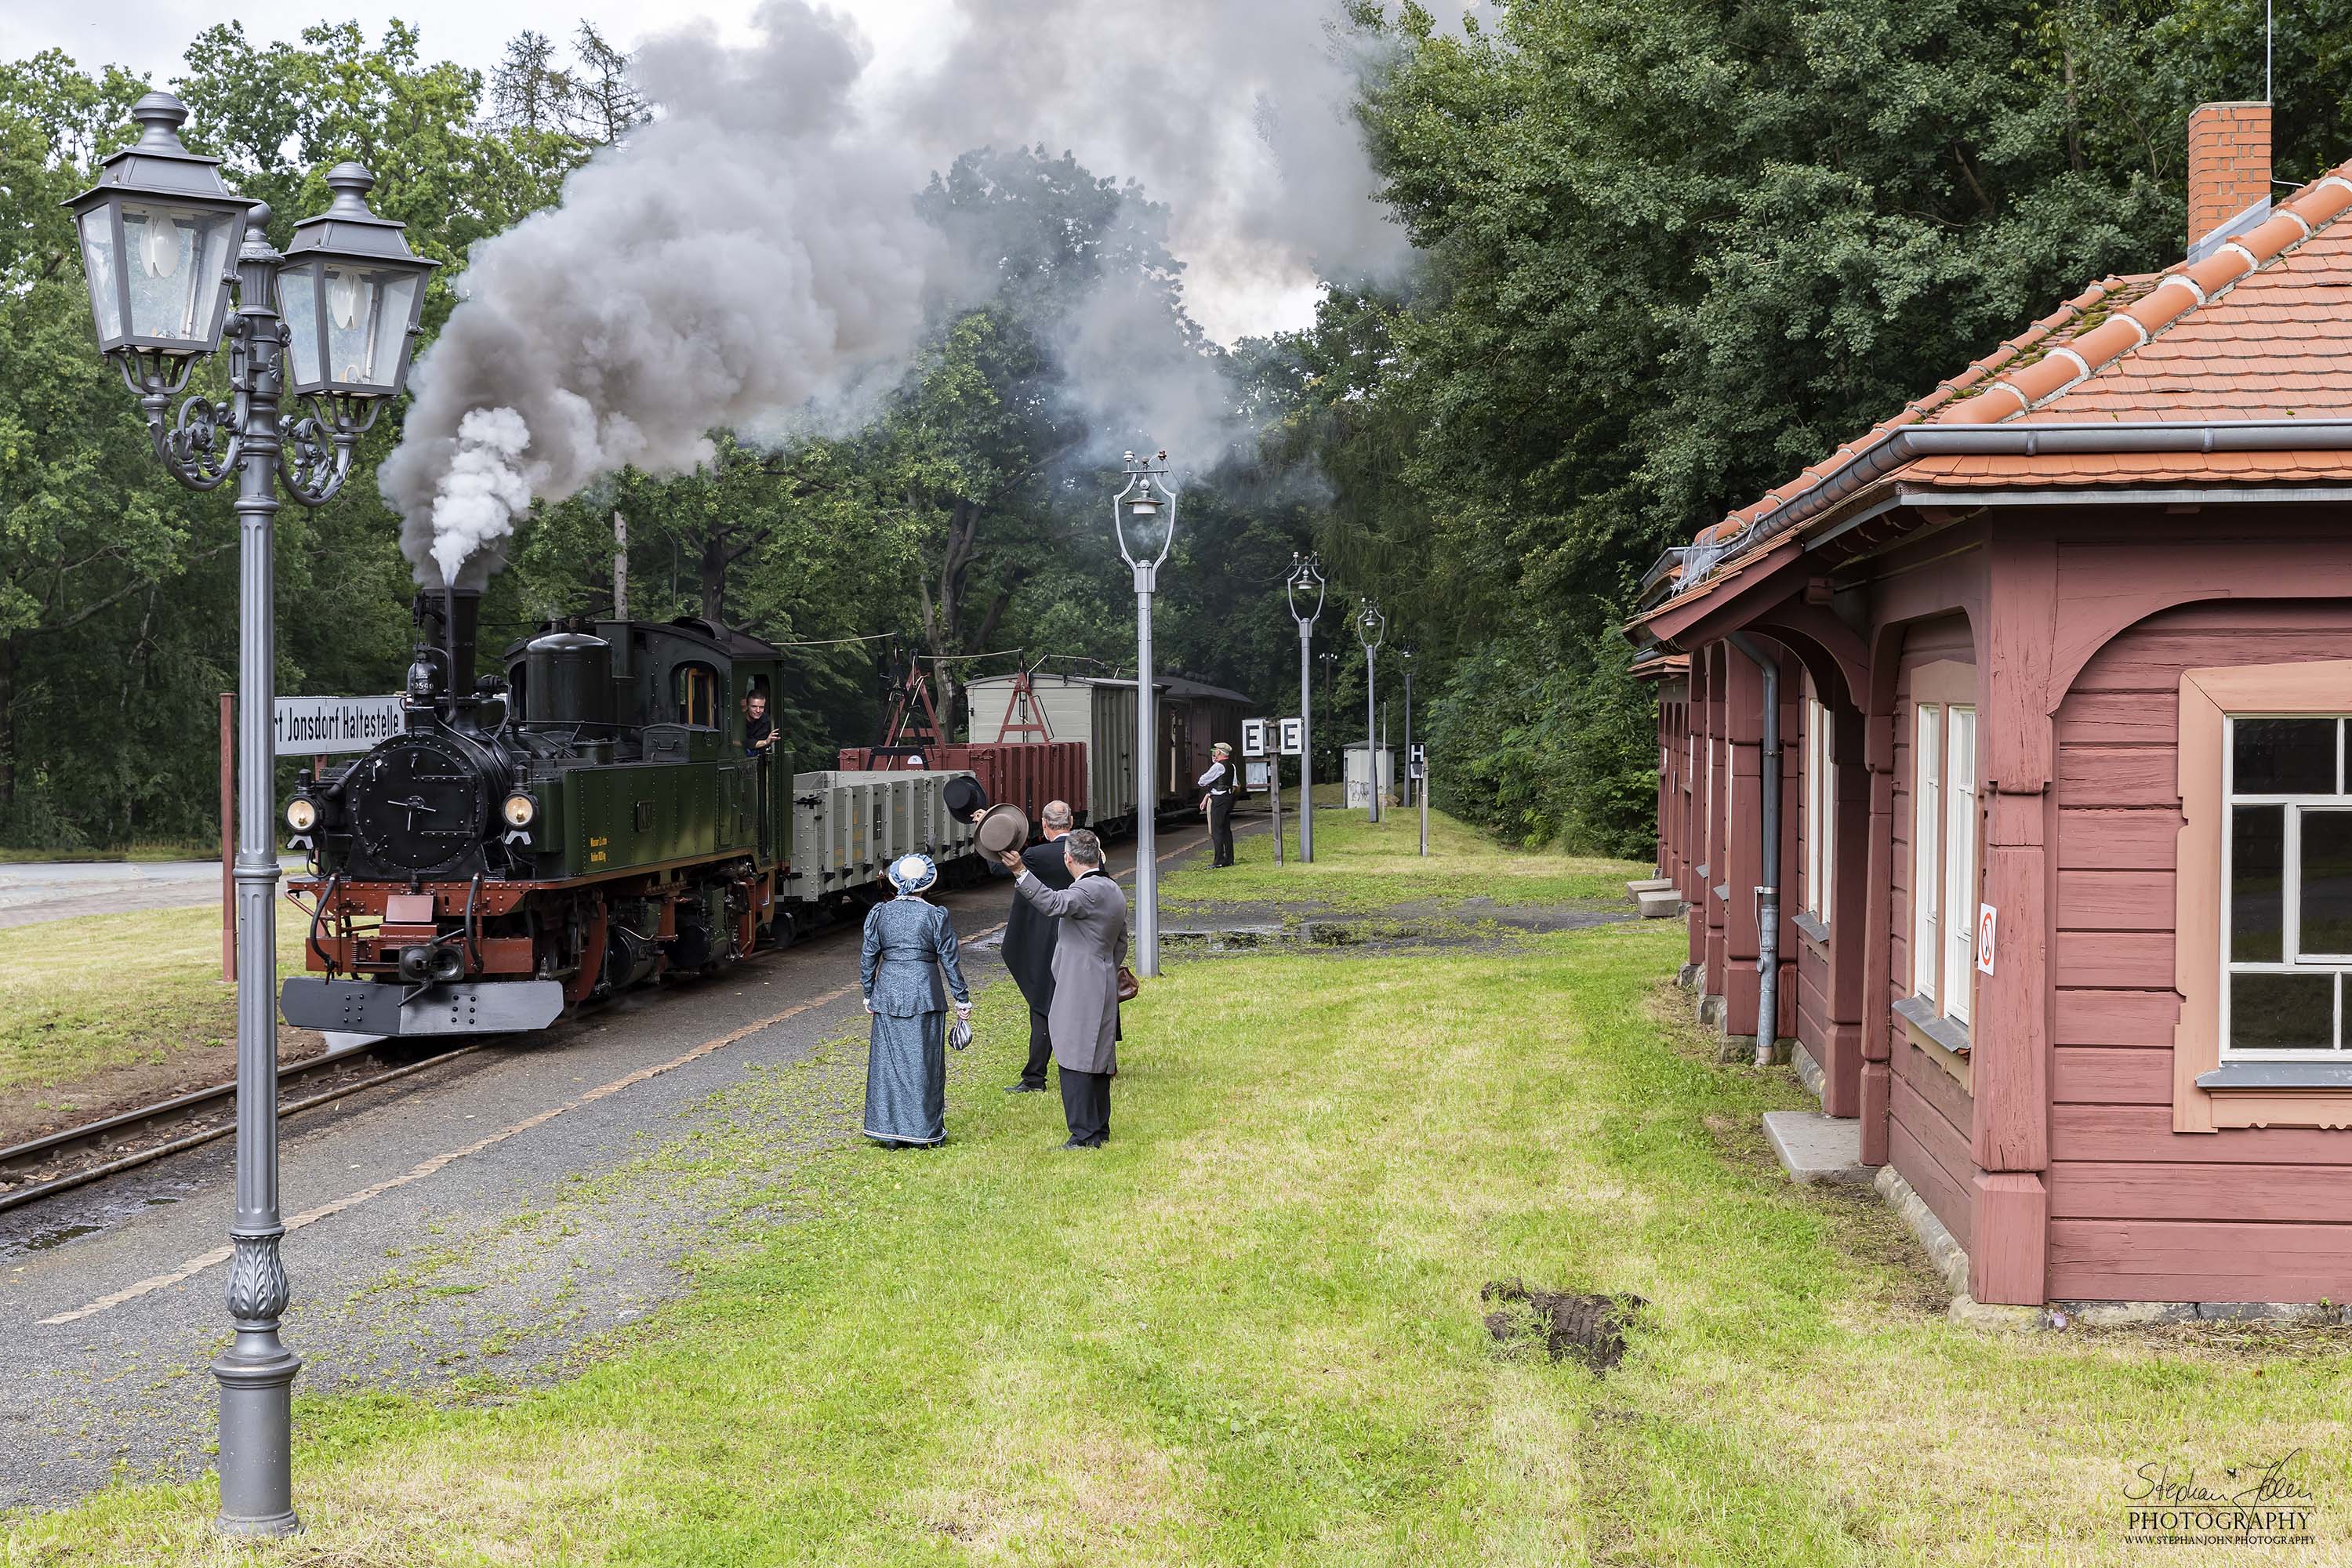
{"points": [[1029, 935]]}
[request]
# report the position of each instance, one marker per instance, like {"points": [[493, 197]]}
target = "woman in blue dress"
{"points": [[908, 944]]}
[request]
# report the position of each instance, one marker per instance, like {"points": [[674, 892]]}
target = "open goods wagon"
{"points": [[1025, 774]]}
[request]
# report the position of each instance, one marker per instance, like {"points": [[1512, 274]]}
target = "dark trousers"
{"points": [[1221, 830], [1041, 1048], [1085, 1105]]}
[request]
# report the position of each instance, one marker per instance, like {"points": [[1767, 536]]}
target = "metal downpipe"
{"points": [[1767, 895]]}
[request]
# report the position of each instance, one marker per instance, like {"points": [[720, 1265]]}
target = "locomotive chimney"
{"points": [[448, 621]]}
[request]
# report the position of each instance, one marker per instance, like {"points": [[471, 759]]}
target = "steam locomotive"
{"points": [[585, 822]]}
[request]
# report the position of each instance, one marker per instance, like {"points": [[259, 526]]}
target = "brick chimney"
{"points": [[2229, 173]]}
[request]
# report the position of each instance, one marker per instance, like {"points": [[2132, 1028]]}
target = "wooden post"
{"points": [[1878, 915], [2009, 1066], [228, 835]]}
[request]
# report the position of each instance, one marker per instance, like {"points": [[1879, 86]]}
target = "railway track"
{"points": [[43, 1167], [46, 1166]]}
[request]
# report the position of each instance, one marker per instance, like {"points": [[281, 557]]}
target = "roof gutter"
{"points": [[1892, 449]]}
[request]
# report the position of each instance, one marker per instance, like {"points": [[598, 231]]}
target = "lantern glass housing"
{"points": [[1146, 526], [1302, 578], [158, 232], [357, 317], [351, 292], [1144, 513]]}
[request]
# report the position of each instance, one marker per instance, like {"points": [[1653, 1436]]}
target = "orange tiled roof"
{"points": [[2261, 329]]}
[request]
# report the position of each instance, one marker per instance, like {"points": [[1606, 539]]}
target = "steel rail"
{"points": [[36, 1150], [196, 1141]]}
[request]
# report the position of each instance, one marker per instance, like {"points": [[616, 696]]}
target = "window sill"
{"points": [[1808, 926], [1930, 1027], [2277, 1075]]}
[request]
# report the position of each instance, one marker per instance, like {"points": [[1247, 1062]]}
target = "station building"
{"points": [[2059, 666]]}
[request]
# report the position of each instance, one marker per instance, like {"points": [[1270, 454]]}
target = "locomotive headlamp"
{"points": [[352, 292], [521, 810], [302, 814]]}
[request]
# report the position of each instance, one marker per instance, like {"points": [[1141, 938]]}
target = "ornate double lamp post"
{"points": [[1306, 578], [1370, 625], [328, 327], [1144, 514]]}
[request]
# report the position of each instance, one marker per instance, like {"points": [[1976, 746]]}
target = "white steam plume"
{"points": [[756, 250], [751, 251]]}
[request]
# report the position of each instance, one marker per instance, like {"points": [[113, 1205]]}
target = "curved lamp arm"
{"points": [[200, 446], [314, 449]]}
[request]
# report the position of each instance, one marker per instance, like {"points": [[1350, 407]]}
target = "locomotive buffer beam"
{"points": [[375, 1007]]}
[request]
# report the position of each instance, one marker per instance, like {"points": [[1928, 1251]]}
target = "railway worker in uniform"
{"points": [[1223, 784], [908, 943], [759, 729], [1029, 934], [1089, 946]]}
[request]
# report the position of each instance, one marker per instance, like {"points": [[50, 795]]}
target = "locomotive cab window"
{"points": [[697, 695]]}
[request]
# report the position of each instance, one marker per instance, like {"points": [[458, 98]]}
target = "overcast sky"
{"points": [[149, 38]]}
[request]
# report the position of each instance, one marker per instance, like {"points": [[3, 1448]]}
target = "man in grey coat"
{"points": [[1089, 946]]}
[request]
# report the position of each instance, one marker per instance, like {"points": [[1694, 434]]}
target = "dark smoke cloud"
{"points": [[754, 259]]}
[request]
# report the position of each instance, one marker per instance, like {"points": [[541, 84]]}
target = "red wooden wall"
{"points": [[2137, 1211]]}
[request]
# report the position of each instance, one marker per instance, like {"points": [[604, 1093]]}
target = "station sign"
{"points": [[1274, 737], [318, 726]]}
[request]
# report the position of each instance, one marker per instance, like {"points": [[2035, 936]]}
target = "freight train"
{"points": [[586, 821]]}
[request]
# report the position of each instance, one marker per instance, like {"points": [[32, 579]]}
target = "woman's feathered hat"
{"points": [[913, 873]]}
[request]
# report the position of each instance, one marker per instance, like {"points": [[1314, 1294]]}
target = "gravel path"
{"points": [[494, 1218]]}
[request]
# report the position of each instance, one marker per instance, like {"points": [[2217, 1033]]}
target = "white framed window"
{"points": [[1944, 855], [1959, 859], [1821, 812], [2286, 862], [1927, 821]]}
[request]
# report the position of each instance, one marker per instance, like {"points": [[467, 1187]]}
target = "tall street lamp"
{"points": [[157, 231], [1369, 625], [1144, 514], [1406, 655], [1306, 575]]}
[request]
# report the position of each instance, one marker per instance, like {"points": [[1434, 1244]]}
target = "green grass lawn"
{"points": [[1249, 1331], [1362, 865], [87, 996]]}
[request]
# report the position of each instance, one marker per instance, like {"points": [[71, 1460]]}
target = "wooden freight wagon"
{"points": [[1095, 713], [1100, 710], [2050, 678]]}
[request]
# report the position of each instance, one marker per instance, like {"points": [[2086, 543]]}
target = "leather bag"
{"points": [[1129, 987]]}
